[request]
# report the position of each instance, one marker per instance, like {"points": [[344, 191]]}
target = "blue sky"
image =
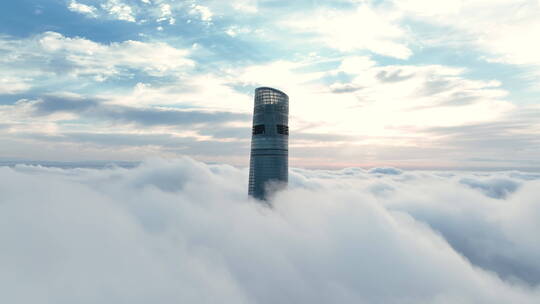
{"points": [[372, 83]]}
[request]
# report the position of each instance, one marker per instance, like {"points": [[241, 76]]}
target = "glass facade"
{"points": [[269, 163]]}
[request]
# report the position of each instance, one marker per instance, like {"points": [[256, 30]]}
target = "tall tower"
{"points": [[269, 161]]}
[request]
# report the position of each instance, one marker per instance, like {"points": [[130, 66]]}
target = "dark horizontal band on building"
{"points": [[261, 129], [270, 149], [269, 155]]}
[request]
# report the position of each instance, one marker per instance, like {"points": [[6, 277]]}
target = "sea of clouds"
{"points": [[181, 231]]}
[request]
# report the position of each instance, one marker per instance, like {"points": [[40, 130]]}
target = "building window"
{"points": [[282, 129], [258, 129]]}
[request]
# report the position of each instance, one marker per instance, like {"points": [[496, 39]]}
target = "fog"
{"points": [[181, 231]]}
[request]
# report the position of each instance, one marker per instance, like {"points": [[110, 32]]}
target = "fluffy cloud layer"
{"points": [[184, 231]]}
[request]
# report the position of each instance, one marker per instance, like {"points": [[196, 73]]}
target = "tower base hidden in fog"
{"points": [[269, 160]]}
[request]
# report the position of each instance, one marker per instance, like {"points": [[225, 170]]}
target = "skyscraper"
{"points": [[269, 160]]}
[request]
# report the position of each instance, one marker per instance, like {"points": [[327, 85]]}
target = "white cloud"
{"points": [[20, 119], [422, 96], [245, 6], [356, 64], [12, 85], [183, 231], [166, 13], [165, 10], [234, 31], [84, 9], [153, 58], [80, 57], [119, 10], [231, 32], [202, 11], [504, 29], [363, 28], [202, 91]]}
